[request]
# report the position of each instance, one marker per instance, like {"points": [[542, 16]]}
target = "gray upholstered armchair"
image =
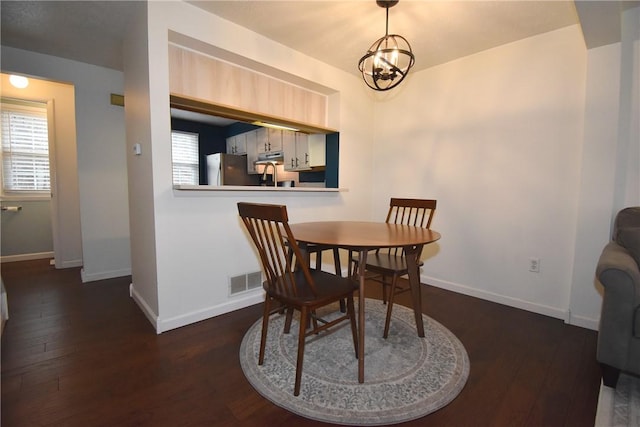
{"points": [[619, 335]]}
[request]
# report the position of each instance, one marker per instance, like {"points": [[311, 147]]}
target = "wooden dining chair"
{"points": [[290, 283], [391, 263]]}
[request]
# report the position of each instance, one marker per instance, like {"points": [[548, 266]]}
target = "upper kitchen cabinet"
{"points": [[317, 150], [206, 79], [237, 144], [291, 159], [269, 140], [303, 152]]}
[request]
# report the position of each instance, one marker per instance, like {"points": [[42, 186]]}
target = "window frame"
{"points": [[196, 165], [28, 105]]}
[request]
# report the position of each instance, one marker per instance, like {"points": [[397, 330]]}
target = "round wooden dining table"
{"points": [[363, 237]]}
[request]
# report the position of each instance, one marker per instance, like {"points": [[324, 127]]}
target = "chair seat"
{"points": [[329, 288]]}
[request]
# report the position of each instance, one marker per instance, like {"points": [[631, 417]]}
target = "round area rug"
{"points": [[406, 377]]}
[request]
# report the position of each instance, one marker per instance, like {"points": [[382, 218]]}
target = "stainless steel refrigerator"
{"points": [[228, 169]]}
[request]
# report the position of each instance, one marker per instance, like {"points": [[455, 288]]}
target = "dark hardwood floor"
{"points": [[78, 354]]}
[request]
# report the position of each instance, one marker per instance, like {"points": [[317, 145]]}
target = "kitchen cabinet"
{"points": [[295, 146], [253, 148], [237, 144], [302, 151], [317, 150], [269, 140]]}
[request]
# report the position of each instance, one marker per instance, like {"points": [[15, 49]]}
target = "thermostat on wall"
{"points": [[137, 150]]}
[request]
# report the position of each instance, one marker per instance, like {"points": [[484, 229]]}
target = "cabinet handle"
{"points": [[306, 158]]}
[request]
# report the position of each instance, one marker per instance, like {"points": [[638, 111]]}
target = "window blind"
{"points": [[184, 152], [25, 148]]}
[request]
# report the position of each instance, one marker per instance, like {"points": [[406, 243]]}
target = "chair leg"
{"points": [[352, 319], [392, 294], [301, 339], [265, 326], [314, 321], [336, 264], [353, 266], [287, 320], [610, 375], [384, 289]]}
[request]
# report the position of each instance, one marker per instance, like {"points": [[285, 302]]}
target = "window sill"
{"points": [[227, 188], [24, 197]]}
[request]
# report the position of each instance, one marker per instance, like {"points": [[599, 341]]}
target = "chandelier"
{"points": [[388, 60]]}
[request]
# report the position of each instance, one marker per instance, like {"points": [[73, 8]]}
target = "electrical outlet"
{"points": [[534, 265]]}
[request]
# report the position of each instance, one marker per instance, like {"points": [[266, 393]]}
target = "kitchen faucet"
{"points": [[275, 172]]}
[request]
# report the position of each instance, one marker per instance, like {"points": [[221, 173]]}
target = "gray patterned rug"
{"points": [[620, 406], [406, 377]]}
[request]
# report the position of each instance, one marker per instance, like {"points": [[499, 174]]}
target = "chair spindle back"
{"points": [[268, 226], [415, 212]]}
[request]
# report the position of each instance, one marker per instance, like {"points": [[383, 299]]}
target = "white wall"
{"points": [[530, 148], [596, 205], [140, 170], [611, 159], [96, 208], [199, 240], [496, 137], [628, 150], [26, 234]]}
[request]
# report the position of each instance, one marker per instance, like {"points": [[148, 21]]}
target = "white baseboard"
{"points": [[92, 277], [257, 296], [584, 322], [148, 312], [566, 315], [513, 302], [26, 257], [69, 264], [248, 299], [163, 325]]}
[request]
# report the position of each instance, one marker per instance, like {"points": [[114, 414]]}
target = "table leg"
{"points": [[411, 255], [361, 269]]}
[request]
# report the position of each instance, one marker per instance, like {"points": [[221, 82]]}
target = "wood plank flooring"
{"points": [[78, 354]]}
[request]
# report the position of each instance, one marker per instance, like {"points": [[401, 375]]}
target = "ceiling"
{"points": [[340, 32], [335, 32]]}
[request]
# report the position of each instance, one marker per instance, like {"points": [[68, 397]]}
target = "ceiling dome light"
{"points": [[388, 60], [19, 82]]}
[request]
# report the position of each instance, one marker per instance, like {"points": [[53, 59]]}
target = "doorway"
{"points": [[25, 190], [63, 195]]}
